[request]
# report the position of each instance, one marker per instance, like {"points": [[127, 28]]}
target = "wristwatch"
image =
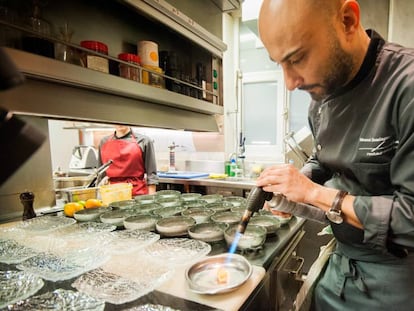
{"points": [[335, 212]]}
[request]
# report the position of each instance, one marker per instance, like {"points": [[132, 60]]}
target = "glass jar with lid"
{"points": [[129, 72], [92, 60]]}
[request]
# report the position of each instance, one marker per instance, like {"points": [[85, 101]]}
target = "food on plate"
{"points": [[90, 203], [70, 208], [222, 276]]}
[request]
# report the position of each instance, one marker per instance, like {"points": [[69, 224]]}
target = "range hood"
{"points": [[55, 89]]}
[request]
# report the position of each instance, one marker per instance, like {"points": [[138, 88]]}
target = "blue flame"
{"points": [[236, 240]]}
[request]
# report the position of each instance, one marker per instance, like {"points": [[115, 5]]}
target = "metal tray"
{"points": [[202, 276]]}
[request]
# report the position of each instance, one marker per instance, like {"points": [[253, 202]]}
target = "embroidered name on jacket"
{"points": [[377, 146]]}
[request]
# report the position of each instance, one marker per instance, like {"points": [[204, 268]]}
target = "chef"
{"points": [[133, 159]]}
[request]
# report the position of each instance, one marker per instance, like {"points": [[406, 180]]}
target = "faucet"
{"points": [[241, 153]]}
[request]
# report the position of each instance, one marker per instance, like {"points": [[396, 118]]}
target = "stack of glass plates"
{"points": [[60, 299], [127, 241], [12, 252], [17, 285]]}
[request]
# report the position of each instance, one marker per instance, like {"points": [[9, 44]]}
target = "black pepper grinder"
{"points": [[27, 198]]}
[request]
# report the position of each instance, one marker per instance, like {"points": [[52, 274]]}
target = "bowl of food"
{"points": [[235, 200], [208, 232], [174, 226], [253, 237], [282, 217], [218, 274]]}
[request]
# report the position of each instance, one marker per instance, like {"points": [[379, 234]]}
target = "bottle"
{"points": [[233, 168], [64, 52]]}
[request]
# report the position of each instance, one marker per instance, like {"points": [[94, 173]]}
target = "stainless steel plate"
{"points": [[202, 276]]}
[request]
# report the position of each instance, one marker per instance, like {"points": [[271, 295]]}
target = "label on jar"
{"points": [[97, 63]]}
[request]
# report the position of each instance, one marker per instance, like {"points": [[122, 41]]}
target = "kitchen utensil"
{"points": [[74, 194], [99, 173], [202, 276]]}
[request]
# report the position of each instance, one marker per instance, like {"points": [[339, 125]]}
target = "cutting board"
{"points": [[182, 174]]}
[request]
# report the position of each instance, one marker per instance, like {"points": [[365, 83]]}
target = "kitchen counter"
{"points": [[176, 294]]}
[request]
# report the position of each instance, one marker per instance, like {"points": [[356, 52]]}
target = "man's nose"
{"points": [[292, 79]]}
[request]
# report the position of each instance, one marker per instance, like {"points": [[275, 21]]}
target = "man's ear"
{"points": [[350, 16]]}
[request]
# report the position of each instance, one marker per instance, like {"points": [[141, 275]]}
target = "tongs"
{"points": [[99, 171]]}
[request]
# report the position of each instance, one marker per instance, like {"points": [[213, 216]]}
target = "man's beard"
{"points": [[336, 72]]}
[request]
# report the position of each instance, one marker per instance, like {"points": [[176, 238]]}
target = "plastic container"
{"points": [[115, 192], [129, 72], [94, 61], [148, 51]]}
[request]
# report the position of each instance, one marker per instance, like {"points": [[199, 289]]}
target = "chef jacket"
{"points": [[364, 144]]}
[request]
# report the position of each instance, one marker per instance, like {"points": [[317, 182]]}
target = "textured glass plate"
{"points": [[94, 227], [59, 268], [117, 289], [12, 252], [45, 224], [60, 299], [127, 241], [17, 285], [178, 251], [151, 307]]}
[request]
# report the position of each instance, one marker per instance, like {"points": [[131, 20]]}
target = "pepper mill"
{"points": [[27, 198]]}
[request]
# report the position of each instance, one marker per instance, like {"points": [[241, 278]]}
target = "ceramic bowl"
{"points": [[167, 202], [270, 223], [219, 206], [115, 217], [90, 214], [188, 197], [212, 198], [284, 220], [235, 200], [145, 198], [200, 214], [174, 226], [196, 203], [125, 204], [208, 232], [167, 194], [229, 218], [168, 211], [253, 237], [141, 222]]}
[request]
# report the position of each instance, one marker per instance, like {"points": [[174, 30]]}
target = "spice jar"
{"points": [[93, 61], [155, 78], [129, 72]]}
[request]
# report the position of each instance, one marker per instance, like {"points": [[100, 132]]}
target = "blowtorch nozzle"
{"points": [[255, 201]]}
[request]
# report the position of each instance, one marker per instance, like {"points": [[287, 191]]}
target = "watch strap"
{"points": [[337, 202]]}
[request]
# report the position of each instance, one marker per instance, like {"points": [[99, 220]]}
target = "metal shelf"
{"points": [[60, 90]]}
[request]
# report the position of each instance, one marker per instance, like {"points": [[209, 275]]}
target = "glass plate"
{"points": [[151, 307], [178, 251], [117, 289], [12, 252], [60, 299], [127, 241], [95, 227], [17, 285], [45, 224], [59, 268]]}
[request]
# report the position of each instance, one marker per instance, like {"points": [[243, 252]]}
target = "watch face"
{"points": [[334, 217]]}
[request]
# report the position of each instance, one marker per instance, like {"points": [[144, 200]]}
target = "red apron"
{"points": [[128, 164]]}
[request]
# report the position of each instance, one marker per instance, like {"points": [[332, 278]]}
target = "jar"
{"points": [[94, 61], [153, 78], [129, 72]]}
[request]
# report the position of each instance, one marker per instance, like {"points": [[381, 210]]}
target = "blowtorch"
{"points": [[255, 201]]}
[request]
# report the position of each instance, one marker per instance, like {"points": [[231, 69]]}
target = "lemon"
{"points": [[70, 208], [93, 203]]}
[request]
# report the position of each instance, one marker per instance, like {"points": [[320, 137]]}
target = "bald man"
{"points": [[360, 179]]}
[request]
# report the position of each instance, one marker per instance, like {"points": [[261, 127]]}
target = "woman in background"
{"points": [[133, 159]]}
